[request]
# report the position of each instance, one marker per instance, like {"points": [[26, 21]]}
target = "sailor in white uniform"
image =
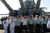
{"points": [[24, 24], [8, 23], [5, 24], [15, 19], [48, 24], [12, 26]]}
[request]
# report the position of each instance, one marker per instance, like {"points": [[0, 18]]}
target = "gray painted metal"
{"points": [[24, 10], [33, 4], [37, 6], [30, 12], [22, 6]]}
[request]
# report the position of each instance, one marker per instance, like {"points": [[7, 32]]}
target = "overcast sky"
{"points": [[16, 5]]}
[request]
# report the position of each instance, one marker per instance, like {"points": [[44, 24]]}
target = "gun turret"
{"points": [[29, 7]]}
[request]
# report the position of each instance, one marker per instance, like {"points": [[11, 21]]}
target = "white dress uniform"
{"points": [[48, 24], [5, 24], [12, 26], [24, 21], [8, 22]]}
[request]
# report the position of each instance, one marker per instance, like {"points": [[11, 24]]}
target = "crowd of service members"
{"points": [[25, 24]]}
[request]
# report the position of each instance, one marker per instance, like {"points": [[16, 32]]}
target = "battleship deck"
{"points": [[2, 31]]}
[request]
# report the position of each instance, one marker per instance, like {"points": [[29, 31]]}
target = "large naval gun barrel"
{"points": [[23, 7], [37, 6], [33, 4], [8, 7]]}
